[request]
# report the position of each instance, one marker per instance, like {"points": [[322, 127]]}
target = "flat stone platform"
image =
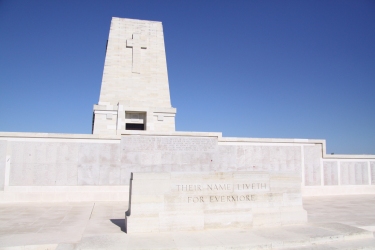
{"points": [[335, 222]]}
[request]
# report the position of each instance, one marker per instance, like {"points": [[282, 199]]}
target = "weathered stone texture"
{"points": [[199, 154], [135, 79], [372, 168], [312, 157], [85, 163], [269, 158], [3, 154], [212, 200], [149, 86], [61, 163], [354, 173], [64, 164], [330, 169]]}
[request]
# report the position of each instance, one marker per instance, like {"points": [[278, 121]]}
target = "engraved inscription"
{"points": [[132, 143], [194, 144], [186, 144], [222, 187], [222, 198], [251, 186], [209, 188]]}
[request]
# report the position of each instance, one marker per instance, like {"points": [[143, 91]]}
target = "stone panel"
{"points": [[354, 173], [197, 154], [88, 174], [44, 174], [225, 158], [212, 200], [61, 174], [21, 174], [88, 153], [34, 163], [185, 144], [72, 174], [312, 156], [18, 152], [3, 154], [166, 152], [269, 158], [372, 168], [67, 153], [29, 154], [330, 173], [63, 163], [138, 143], [109, 175]]}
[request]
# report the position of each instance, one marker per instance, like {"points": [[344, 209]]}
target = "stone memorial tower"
{"points": [[134, 93]]}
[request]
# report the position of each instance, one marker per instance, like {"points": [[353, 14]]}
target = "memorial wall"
{"points": [[59, 167]]}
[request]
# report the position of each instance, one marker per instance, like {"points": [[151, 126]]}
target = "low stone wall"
{"points": [[161, 202], [36, 161]]}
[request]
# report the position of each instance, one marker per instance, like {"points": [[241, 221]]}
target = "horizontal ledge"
{"points": [[348, 157], [308, 191]]}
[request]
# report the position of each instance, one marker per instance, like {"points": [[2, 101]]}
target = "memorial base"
{"points": [[162, 202]]}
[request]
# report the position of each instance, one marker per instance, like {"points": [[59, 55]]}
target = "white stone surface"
{"points": [[135, 78], [308, 191], [312, 162], [354, 173], [213, 200], [3, 163], [100, 225], [372, 170], [64, 193], [67, 160], [330, 169]]}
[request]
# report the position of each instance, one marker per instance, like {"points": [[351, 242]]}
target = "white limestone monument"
{"points": [[135, 90], [171, 180], [176, 201]]}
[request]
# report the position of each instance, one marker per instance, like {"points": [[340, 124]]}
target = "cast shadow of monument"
{"points": [[122, 223]]}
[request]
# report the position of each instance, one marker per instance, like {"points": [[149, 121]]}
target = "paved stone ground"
{"points": [[100, 225], [44, 223], [355, 210]]}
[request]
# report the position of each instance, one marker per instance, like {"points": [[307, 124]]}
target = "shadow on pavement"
{"points": [[120, 223]]}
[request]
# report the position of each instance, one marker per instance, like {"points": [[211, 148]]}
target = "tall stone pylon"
{"points": [[134, 93]]}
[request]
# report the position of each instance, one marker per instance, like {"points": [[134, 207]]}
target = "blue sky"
{"points": [[263, 69]]}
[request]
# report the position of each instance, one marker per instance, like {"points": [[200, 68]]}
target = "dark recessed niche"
{"points": [[135, 126]]}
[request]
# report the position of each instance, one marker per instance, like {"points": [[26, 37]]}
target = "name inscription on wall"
{"points": [[163, 144], [208, 189]]}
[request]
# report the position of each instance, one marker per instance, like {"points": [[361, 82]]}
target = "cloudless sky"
{"points": [[263, 69]]}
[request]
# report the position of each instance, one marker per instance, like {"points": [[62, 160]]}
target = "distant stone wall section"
{"points": [[64, 164], [3, 153], [59, 162], [354, 173], [202, 154], [372, 169], [330, 173], [312, 156]]}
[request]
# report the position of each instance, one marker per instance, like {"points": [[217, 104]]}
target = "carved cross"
{"points": [[137, 43]]}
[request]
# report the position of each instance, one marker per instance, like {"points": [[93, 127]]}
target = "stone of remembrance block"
{"points": [[173, 201]]}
